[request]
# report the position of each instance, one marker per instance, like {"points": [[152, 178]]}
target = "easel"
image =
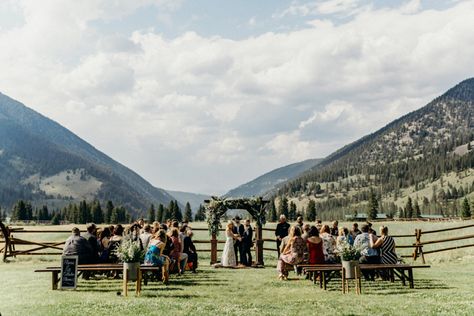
{"points": [[358, 282], [138, 286]]}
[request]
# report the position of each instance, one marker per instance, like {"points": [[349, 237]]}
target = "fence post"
{"points": [[213, 248], [259, 247], [418, 251], [6, 236]]}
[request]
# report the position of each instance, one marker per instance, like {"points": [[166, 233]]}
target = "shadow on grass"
{"points": [[389, 288]]}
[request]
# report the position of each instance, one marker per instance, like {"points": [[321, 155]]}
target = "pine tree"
{"points": [[19, 211], [176, 214], [409, 208], [28, 211], [292, 211], [466, 208], [151, 214], [200, 214], [109, 207], [271, 213], [2, 215], [417, 209], [167, 213], [160, 212], [311, 211], [283, 206], [373, 206], [188, 213], [114, 216], [96, 213], [55, 220]]}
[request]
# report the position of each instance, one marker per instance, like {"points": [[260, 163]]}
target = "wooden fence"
{"points": [[414, 241]]}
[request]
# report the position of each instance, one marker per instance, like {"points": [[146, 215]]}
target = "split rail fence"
{"points": [[416, 241]]}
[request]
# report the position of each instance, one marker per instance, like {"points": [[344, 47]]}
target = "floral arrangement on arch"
{"points": [[216, 208]]}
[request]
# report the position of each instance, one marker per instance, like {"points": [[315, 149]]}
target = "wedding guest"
{"points": [[355, 231], [334, 229], [238, 230], [344, 236], [329, 244], [306, 228], [281, 232], [369, 255], [293, 252], [182, 234], [91, 237], [156, 227], [299, 222], [247, 243], [145, 236], [155, 256], [104, 240], [176, 253], [115, 241], [315, 247], [190, 250], [76, 245], [386, 244], [319, 225]]}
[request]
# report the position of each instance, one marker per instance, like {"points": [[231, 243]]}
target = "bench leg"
{"points": [[54, 280], [125, 283], [324, 280], [410, 278]]}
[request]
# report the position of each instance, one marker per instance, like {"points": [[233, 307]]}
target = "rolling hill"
{"points": [[410, 157], [268, 181], [45, 163]]}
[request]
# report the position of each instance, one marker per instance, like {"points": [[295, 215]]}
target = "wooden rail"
{"points": [[7, 245]]}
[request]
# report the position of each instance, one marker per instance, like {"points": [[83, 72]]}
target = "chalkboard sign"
{"points": [[69, 272]]}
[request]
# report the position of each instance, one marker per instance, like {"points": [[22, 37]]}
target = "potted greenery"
{"points": [[349, 258], [131, 254]]}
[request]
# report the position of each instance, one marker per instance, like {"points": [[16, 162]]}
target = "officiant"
{"points": [[247, 244], [238, 230]]}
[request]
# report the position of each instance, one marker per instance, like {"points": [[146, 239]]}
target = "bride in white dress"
{"points": [[228, 255]]}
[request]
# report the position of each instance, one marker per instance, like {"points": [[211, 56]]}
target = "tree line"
{"points": [[86, 212]]}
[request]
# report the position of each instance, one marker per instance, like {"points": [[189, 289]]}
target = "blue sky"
{"points": [[203, 96]]}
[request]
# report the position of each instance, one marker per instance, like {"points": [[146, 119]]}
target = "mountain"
{"points": [[268, 181], [420, 155], [194, 199], [44, 162]]}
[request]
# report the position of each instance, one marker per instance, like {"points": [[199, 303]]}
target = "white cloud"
{"points": [[208, 113]]}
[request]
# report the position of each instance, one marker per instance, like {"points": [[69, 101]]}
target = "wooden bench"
{"points": [[55, 273], [327, 271]]}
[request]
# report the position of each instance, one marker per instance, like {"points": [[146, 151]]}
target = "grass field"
{"points": [[445, 289]]}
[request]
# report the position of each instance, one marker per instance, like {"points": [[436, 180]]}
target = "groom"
{"points": [[247, 244], [238, 230]]}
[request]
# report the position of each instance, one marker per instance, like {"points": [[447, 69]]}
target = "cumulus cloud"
{"points": [[204, 113]]}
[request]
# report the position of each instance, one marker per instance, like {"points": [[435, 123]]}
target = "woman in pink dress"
{"points": [[293, 253]]}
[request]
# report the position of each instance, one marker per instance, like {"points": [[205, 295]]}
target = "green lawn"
{"points": [[446, 289]]}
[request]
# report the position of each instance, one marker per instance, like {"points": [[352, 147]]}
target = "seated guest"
{"points": [[319, 225], [386, 244], [190, 249], [299, 223], [329, 244], [334, 229], [91, 237], [114, 243], [176, 253], [145, 236], [104, 241], [306, 228], [344, 236], [281, 232], [369, 255], [355, 231], [76, 245], [293, 252], [154, 255], [315, 247]]}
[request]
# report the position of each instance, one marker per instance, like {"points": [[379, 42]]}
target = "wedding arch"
{"points": [[217, 207]]}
